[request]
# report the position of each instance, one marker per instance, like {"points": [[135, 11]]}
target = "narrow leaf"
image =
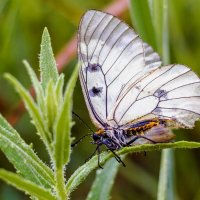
{"points": [[62, 145], [33, 111], [26, 186], [48, 66], [63, 124], [36, 84], [141, 18], [51, 105], [160, 19], [59, 89], [104, 181], [82, 172], [165, 186], [15, 149], [160, 22]]}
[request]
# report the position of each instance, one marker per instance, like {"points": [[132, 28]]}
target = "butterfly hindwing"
{"points": [[170, 92]]}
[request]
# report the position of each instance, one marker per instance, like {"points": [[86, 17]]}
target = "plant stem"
{"points": [[165, 186], [60, 184]]}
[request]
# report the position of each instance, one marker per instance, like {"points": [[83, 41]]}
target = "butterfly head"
{"points": [[101, 137]]}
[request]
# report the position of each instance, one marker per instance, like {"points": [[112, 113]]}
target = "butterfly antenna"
{"points": [[80, 139], [83, 122]]}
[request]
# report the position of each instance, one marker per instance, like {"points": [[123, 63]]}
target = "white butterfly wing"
{"points": [[112, 57], [169, 92]]}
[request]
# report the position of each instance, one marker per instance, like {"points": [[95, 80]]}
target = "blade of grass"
{"points": [[104, 181], [26, 186], [141, 18], [160, 20], [165, 185]]}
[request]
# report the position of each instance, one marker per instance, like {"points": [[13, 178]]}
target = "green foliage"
{"points": [[29, 187], [141, 18], [51, 115], [47, 62], [104, 181]]}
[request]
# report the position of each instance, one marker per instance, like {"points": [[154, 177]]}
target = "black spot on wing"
{"points": [[95, 91], [160, 93], [93, 67]]}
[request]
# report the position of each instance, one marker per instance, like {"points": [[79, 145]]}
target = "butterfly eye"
{"points": [[95, 137]]}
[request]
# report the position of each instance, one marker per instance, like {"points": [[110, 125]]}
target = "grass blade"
{"points": [[161, 23], [165, 185], [104, 181], [141, 18]]}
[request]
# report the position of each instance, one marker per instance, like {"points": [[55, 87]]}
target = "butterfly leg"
{"points": [[98, 151], [80, 139], [117, 158], [92, 154], [138, 137]]}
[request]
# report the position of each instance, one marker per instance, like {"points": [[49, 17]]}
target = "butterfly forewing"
{"points": [[112, 56], [123, 82]]}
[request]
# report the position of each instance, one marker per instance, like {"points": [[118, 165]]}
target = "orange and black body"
{"points": [[152, 131], [148, 131]]}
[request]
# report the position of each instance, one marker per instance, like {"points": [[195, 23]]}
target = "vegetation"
{"points": [[53, 172]]}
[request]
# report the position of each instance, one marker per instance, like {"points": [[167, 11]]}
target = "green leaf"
{"points": [[141, 18], [59, 89], [33, 111], [160, 17], [82, 172], [62, 144], [63, 124], [160, 22], [37, 86], [165, 185], [51, 105], [26, 186], [104, 181], [15, 149], [48, 68]]}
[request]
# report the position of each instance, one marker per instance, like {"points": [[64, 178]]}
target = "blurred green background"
{"points": [[21, 26]]}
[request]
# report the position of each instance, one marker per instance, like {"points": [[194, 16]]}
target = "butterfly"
{"points": [[132, 99]]}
